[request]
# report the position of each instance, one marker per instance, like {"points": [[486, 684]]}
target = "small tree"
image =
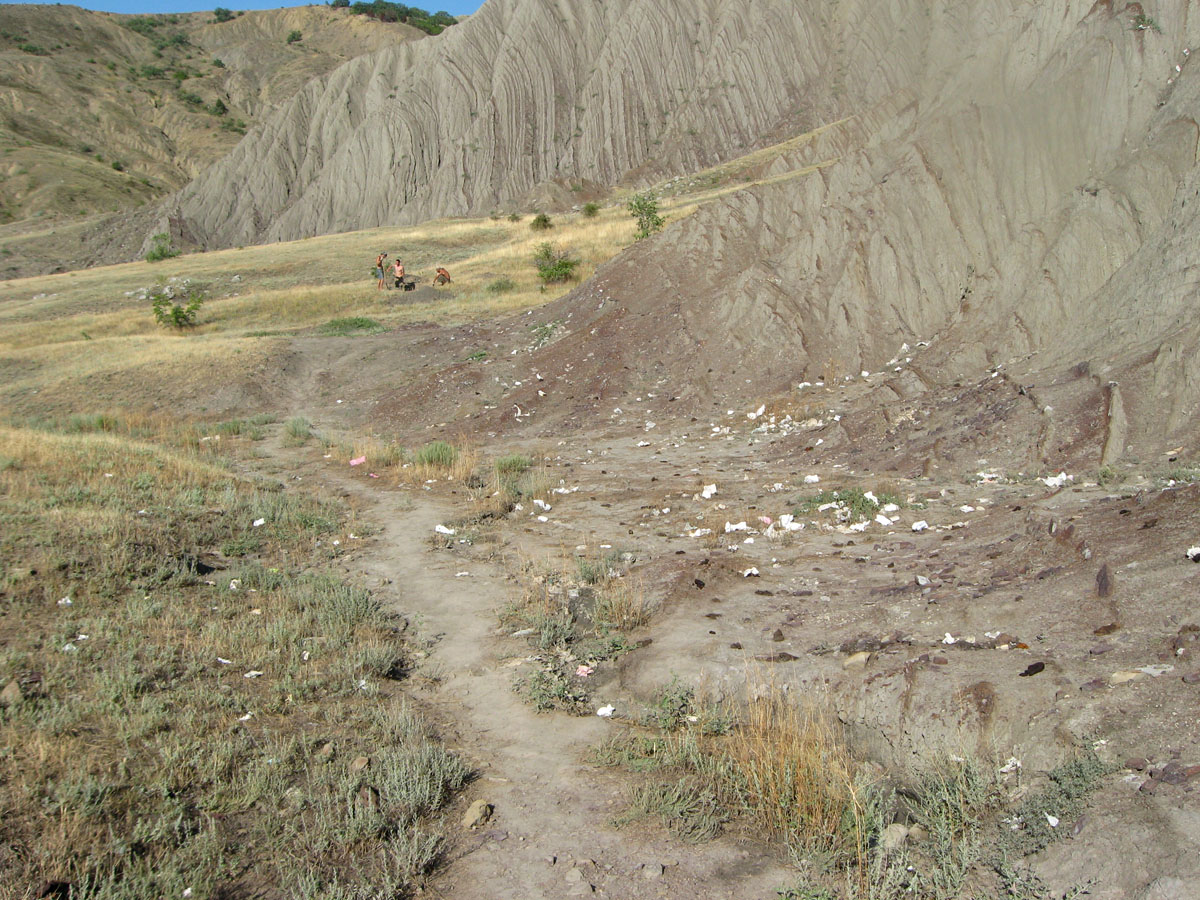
{"points": [[160, 248], [591, 209], [294, 36], [644, 209], [554, 266], [340, 4], [222, 14], [541, 222], [176, 306]]}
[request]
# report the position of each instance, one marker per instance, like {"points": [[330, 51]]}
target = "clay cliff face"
{"points": [[525, 93]]}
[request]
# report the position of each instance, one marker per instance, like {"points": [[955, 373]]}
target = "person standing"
{"points": [[379, 270]]}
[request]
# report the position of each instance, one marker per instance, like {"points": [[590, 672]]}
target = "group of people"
{"points": [[441, 275]]}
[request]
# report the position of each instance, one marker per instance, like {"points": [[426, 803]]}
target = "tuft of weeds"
{"points": [[689, 807], [500, 286], [1065, 798], [298, 429], [439, 460]]}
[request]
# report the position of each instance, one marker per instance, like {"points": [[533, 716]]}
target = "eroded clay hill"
{"points": [[101, 112], [1007, 206]]}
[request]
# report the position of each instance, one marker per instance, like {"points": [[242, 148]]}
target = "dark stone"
{"points": [[778, 635], [1032, 669], [1191, 678], [1103, 582]]}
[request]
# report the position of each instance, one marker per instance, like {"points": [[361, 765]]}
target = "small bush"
{"points": [[218, 107], [294, 36], [217, 64], [221, 14], [553, 266], [176, 306], [514, 217], [118, 166], [591, 210], [541, 222], [1143, 22], [160, 246], [644, 209]]}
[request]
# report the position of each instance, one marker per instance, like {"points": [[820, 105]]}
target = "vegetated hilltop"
{"points": [[1010, 193], [101, 112]]}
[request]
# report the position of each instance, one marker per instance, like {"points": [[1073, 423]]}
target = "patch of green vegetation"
{"points": [[849, 504], [351, 325], [430, 23], [221, 14], [500, 286], [1064, 798], [298, 429], [436, 454], [294, 37], [477, 356], [541, 222], [1144, 22], [238, 126], [591, 209]]}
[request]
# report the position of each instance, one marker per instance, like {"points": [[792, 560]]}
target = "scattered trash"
{"points": [[253, 673], [258, 523], [65, 601], [740, 526], [605, 712], [700, 532], [542, 504], [246, 718], [920, 526], [583, 671], [235, 584], [224, 662], [1057, 481], [883, 520], [1051, 820], [1193, 554], [461, 574], [812, 479], [358, 460], [1012, 765], [949, 639], [752, 572], [69, 648], [710, 491], [442, 529]]}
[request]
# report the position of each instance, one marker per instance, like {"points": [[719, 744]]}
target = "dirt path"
{"points": [[552, 833]]}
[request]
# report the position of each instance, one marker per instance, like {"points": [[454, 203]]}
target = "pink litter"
{"points": [[372, 475], [584, 671], [358, 461]]}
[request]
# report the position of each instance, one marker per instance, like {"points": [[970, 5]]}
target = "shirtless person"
{"points": [[442, 276], [398, 272]]}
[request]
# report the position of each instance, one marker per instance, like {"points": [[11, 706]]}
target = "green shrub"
{"points": [[514, 217], [294, 36], [501, 286], [176, 306], [644, 209], [298, 428], [218, 107], [553, 266], [160, 245], [221, 14], [591, 209], [118, 166], [541, 222], [217, 64]]}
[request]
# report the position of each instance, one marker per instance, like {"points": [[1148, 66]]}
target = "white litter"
{"points": [[949, 639], [966, 509], [246, 718], [461, 574], [752, 572], [1057, 481], [1012, 765], [740, 526], [890, 508], [709, 491], [235, 584], [1155, 670], [643, 443], [605, 712], [542, 519], [224, 662], [922, 580], [65, 601], [812, 479], [1193, 554], [700, 532], [920, 526], [870, 495], [1051, 820], [542, 505], [253, 673], [442, 529], [883, 520], [258, 522], [69, 647]]}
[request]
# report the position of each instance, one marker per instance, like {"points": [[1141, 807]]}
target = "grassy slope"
{"points": [[85, 93]]}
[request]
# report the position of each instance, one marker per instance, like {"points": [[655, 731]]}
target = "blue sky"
{"points": [[455, 7]]}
